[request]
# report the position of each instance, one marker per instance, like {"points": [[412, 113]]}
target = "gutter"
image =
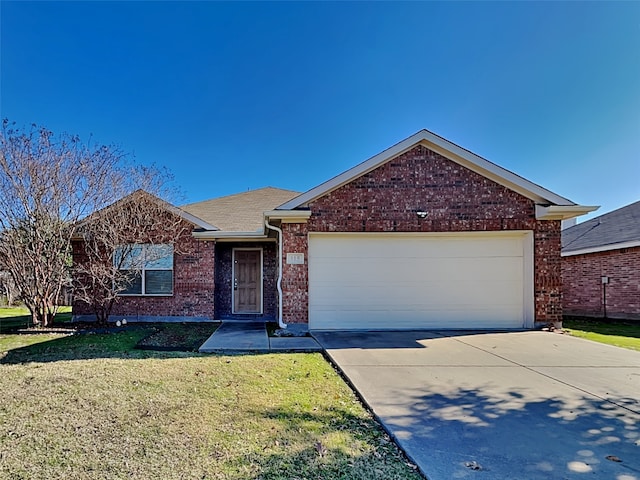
{"points": [[281, 324], [216, 234]]}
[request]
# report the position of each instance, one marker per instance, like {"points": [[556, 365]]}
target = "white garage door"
{"points": [[415, 281]]}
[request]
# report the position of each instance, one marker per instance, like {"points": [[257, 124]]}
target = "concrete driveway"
{"points": [[519, 405]]}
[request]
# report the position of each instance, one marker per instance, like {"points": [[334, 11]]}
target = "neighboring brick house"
{"points": [[601, 265], [423, 235]]}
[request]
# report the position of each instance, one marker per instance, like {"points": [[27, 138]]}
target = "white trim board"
{"points": [[602, 248]]}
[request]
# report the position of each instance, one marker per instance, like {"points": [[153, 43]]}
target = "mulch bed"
{"points": [[183, 337], [71, 329]]}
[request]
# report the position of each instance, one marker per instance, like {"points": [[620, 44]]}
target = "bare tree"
{"points": [[48, 184], [7, 288], [113, 243]]}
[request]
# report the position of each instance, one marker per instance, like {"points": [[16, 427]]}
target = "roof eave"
{"points": [[602, 248], [288, 216], [562, 212], [218, 234], [198, 222]]}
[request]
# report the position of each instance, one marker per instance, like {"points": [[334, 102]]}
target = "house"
{"points": [[423, 235], [601, 265]]}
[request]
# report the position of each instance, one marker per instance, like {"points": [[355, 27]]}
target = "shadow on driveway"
{"points": [[527, 405]]}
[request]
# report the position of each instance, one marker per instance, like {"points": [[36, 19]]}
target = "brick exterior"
{"points": [[224, 279], [193, 288], [583, 291], [295, 278], [456, 199]]}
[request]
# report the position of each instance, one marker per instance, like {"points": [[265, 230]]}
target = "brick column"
{"points": [[295, 278]]}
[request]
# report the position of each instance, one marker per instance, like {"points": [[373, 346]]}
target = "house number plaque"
{"points": [[295, 258]]}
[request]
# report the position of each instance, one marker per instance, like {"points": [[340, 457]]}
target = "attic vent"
{"points": [[624, 250]]}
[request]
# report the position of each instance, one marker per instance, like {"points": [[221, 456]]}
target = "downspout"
{"points": [[281, 324]]}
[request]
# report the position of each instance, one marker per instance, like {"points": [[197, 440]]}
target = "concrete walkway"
{"points": [[499, 406], [245, 337]]}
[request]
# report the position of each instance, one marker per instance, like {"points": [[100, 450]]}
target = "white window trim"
{"points": [[142, 270]]}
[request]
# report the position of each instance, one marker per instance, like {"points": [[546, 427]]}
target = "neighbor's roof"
{"points": [[561, 207], [613, 230], [242, 212]]}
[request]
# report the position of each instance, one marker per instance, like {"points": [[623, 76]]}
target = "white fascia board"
{"points": [[562, 212], [602, 248], [448, 150], [288, 216], [217, 234], [192, 218]]}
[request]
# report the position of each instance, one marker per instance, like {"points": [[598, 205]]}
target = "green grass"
{"points": [[617, 333], [13, 318], [94, 407]]}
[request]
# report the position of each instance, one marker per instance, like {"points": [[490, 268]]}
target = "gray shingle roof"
{"points": [[621, 225], [241, 212]]}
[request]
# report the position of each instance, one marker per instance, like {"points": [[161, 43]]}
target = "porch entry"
{"points": [[247, 280]]}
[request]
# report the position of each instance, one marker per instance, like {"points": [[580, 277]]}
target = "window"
{"points": [[147, 269]]}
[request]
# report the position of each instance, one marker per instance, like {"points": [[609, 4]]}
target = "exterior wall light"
{"points": [[421, 214]]}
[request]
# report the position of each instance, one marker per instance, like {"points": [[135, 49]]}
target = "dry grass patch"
{"points": [[121, 413]]}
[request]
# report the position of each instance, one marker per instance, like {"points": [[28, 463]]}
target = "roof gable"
{"points": [[617, 229], [448, 150], [241, 212], [142, 195]]}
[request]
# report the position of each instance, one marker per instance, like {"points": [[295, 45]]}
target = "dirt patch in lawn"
{"points": [[177, 337]]}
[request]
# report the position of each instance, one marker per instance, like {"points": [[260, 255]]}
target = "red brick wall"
{"points": [[584, 293], [193, 288], [295, 278], [224, 278], [456, 199]]}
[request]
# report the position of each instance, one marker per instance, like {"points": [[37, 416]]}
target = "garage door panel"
{"points": [[349, 246], [386, 319], [362, 281], [409, 303], [418, 269]]}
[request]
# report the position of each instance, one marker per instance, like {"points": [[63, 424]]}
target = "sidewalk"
{"points": [[248, 337]]}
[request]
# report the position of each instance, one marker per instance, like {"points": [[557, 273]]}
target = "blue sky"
{"points": [[235, 96]]}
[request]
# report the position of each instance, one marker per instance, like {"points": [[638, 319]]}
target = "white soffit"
{"points": [[562, 212], [448, 150]]}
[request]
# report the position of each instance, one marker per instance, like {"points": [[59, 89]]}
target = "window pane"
{"points": [[159, 257], [131, 283], [158, 282], [128, 257]]}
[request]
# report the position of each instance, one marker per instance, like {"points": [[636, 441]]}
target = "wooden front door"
{"points": [[247, 281]]}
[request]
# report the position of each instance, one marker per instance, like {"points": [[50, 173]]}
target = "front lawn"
{"points": [[13, 318], [93, 407], [618, 333]]}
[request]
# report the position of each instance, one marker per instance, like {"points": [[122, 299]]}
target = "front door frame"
{"points": [[260, 280]]}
